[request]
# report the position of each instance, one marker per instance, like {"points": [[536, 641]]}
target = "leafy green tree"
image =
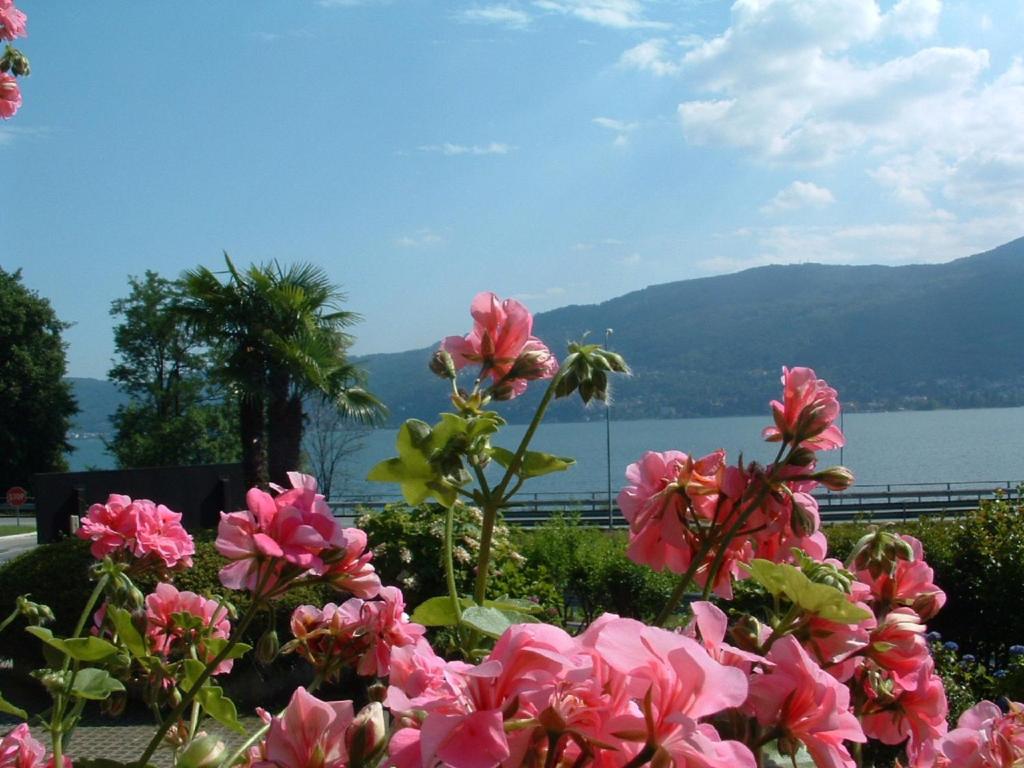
{"points": [[280, 335], [175, 416], [36, 404]]}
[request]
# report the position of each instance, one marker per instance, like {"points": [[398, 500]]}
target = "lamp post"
{"points": [[608, 440]]}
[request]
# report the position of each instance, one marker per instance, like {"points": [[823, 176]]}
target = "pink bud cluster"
{"points": [[127, 529], [502, 345], [359, 633], [177, 622], [293, 534]]}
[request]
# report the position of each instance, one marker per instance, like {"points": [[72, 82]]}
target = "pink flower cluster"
{"points": [[123, 528], [985, 737], [18, 749], [12, 25], [287, 536], [682, 508], [502, 345], [361, 633], [178, 621], [677, 506], [544, 697]]}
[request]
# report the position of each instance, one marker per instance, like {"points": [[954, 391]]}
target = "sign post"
{"points": [[16, 497]]}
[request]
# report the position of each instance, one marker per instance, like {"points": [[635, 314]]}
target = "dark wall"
{"points": [[199, 493]]}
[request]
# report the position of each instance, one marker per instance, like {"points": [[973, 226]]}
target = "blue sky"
{"points": [[559, 151]]}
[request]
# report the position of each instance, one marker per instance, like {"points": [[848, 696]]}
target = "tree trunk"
{"points": [[254, 441], [284, 429]]}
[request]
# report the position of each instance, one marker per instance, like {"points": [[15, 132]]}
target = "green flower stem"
{"points": [[60, 702], [190, 694], [6, 622], [496, 499], [683, 584], [449, 566], [643, 757]]}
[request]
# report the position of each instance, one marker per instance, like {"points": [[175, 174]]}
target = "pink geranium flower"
{"points": [[171, 634], [985, 737], [18, 749], [501, 344], [124, 528], [10, 96], [309, 734], [278, 539], [916, 715], [806, 414], [911, 584], [12, 21], [359, 632], [806, 703]]}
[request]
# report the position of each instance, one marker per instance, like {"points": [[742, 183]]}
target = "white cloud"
{"points": [[449, 149], [504, 15], [799, 194], [621, 128], [806, 82], [618, 14], [650, 56], [913, 19], [927, 239], [422, 238]]}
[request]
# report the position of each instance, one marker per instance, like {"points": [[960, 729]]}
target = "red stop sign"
{"points": [[16, 496]]}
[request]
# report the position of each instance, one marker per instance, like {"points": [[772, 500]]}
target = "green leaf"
{"points": [[826, 601], [435, 612], [534, 463], [514, 604], [193, 668], [219, 707], [127, 632], [94, 684], [413, 470], [80, 648], [489, 621], [216, 644], [9, 709]]}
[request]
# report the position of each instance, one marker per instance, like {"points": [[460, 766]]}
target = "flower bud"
{"points": [[802, 521], [366, 737], [34, 613], [19, 63], [267, 647], [926, 605], [205, 751], [442, 364], [533, 364], [835, 478], [114, 705]]}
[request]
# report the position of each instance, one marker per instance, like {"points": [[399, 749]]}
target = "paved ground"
{"points": [[125, 741], [12, 546]]}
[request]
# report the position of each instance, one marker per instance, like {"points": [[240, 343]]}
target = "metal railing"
{"points": [[896, 501]]}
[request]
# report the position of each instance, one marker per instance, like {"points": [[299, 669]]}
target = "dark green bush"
{"points": [[408, 552], [589, 568]]}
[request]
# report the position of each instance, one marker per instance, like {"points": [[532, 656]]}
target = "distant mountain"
{"points": [[97, 401], [910, 337]]}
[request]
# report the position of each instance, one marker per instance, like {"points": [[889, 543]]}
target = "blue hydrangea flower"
{"points": [[951, 646], [1017, 650]]}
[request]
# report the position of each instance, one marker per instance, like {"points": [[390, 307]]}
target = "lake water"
{"points": [[882, 448]]}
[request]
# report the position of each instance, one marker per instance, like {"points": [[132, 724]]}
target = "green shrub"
{"points": [[408, 552], [592, 573]]}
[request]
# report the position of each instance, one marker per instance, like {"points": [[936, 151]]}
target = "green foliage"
{"points": [[174, 416], [408, 550], [828, 602], [36, 404], [589, 569], [978, 559]]}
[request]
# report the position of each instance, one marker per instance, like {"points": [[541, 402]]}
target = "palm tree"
{"points": [[280, 334]]}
